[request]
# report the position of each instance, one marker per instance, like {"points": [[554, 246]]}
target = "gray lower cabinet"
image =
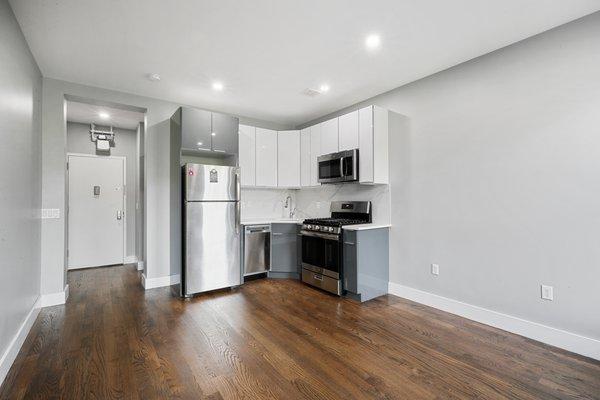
{"points": [[284, 262], [366, 263]]}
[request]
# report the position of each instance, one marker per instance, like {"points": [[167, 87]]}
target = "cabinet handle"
{"points": [[350, 243]]}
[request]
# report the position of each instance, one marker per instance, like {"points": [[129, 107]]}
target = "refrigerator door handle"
{"points": [[238, 210]]}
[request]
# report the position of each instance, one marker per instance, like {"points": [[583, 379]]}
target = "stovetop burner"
{"points": [[342, 213], [334, 221]]}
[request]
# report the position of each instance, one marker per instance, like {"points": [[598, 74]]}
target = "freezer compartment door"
{"points": [[211, 183], [212, 246]]}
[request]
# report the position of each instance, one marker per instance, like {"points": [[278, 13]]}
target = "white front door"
{"points": [[96, 211]]}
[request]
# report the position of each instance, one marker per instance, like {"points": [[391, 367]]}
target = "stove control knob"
{"points": [[308, 226], [330, 229]]}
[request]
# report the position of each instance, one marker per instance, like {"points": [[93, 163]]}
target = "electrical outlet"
{"points": [[435, 269], [50, 213], [547, 292]]}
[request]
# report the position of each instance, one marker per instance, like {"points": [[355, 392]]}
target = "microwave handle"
{"points": [[342, 172]]}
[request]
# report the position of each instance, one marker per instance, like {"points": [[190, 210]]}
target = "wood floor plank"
{"points": [[276, 339]]}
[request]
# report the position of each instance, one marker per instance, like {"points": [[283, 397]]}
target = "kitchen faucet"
{"points": [[288, 203]]}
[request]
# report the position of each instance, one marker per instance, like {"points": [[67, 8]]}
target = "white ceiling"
{"points": [[88, 113], [267, 52]]}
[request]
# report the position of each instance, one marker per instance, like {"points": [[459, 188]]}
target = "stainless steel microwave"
{"points": [[338, 167]]}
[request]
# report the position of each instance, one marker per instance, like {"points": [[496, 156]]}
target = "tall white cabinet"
{"points": [[266, 157], [288, 154], [373, 157], [247, 155]]}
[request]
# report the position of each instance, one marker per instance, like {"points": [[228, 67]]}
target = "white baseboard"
{"points": [[15, 344], [54, 299], [151, 283], [140, 265], [566, 340], [130, 260]]}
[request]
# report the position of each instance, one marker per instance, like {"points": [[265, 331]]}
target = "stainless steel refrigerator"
{"points": [[211, 212]]}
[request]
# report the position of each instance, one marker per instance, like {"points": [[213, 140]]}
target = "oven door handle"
{"points": [[327, 236]]}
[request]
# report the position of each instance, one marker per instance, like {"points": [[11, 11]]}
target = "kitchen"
{"points": [[299, 200], [350, 150]]}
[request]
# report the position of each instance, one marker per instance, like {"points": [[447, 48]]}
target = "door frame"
{"points": [[67, 169]]}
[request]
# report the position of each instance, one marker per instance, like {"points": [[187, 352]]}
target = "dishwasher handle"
{"points": [[258, 229]]}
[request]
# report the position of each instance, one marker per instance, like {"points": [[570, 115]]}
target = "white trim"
{"points": [[140, 265], [130, 260], [54, 299], [123, 159], [566, 340], [9, 356], [151, 283]]}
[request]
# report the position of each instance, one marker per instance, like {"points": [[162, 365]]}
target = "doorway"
{"points": [[97, 208], [105, 190]]}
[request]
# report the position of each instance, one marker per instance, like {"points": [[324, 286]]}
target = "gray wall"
{"points": [[156, 175], [20, 183], [78, 141], [498, 179]]}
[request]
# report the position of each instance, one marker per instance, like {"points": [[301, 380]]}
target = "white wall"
{"points": [[315, 202], [498, 180], [20, 184], [78, 141], [265, 203]]}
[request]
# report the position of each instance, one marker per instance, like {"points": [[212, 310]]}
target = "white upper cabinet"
{"points": [[329, 136], [288, 166], [315, 151], [247, 154], [348, 131], [373, 145], [305, 157], [266, 157]]}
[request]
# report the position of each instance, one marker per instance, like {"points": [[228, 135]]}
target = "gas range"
{"points": [[329, 225], [322, 248]]}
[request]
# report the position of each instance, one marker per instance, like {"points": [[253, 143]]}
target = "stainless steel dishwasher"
{"points": [[257, 249]]}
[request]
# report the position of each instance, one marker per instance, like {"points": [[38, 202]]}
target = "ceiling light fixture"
{"points": [[213, 134], [324, 88], [103, 115], [373, 42], [154, 77], [218, 86], [199, 143]]}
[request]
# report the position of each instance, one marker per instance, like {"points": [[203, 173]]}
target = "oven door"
{"points": [[322, 253], [338, 167]]}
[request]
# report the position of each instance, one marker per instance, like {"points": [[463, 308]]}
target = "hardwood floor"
{"points": [[276, 339]]}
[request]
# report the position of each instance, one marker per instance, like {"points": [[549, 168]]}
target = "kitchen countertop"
{"points": [[364, 227], [260, 221]]}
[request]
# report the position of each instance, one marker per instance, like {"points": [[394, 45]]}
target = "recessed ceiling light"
{"points": [[199, 143], [324, 88], [154, 77], [373, 42], [103, 115], [213, 134], [218, 86]]}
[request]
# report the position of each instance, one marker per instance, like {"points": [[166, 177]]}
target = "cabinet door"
{"points": [[365, 152], [247, 146], [305, 157], [288, 159], [350, 249], [329, 136], [283, 249], [266, 157], [348, 131], [315, 151], [195, 129], [224, 133]]}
